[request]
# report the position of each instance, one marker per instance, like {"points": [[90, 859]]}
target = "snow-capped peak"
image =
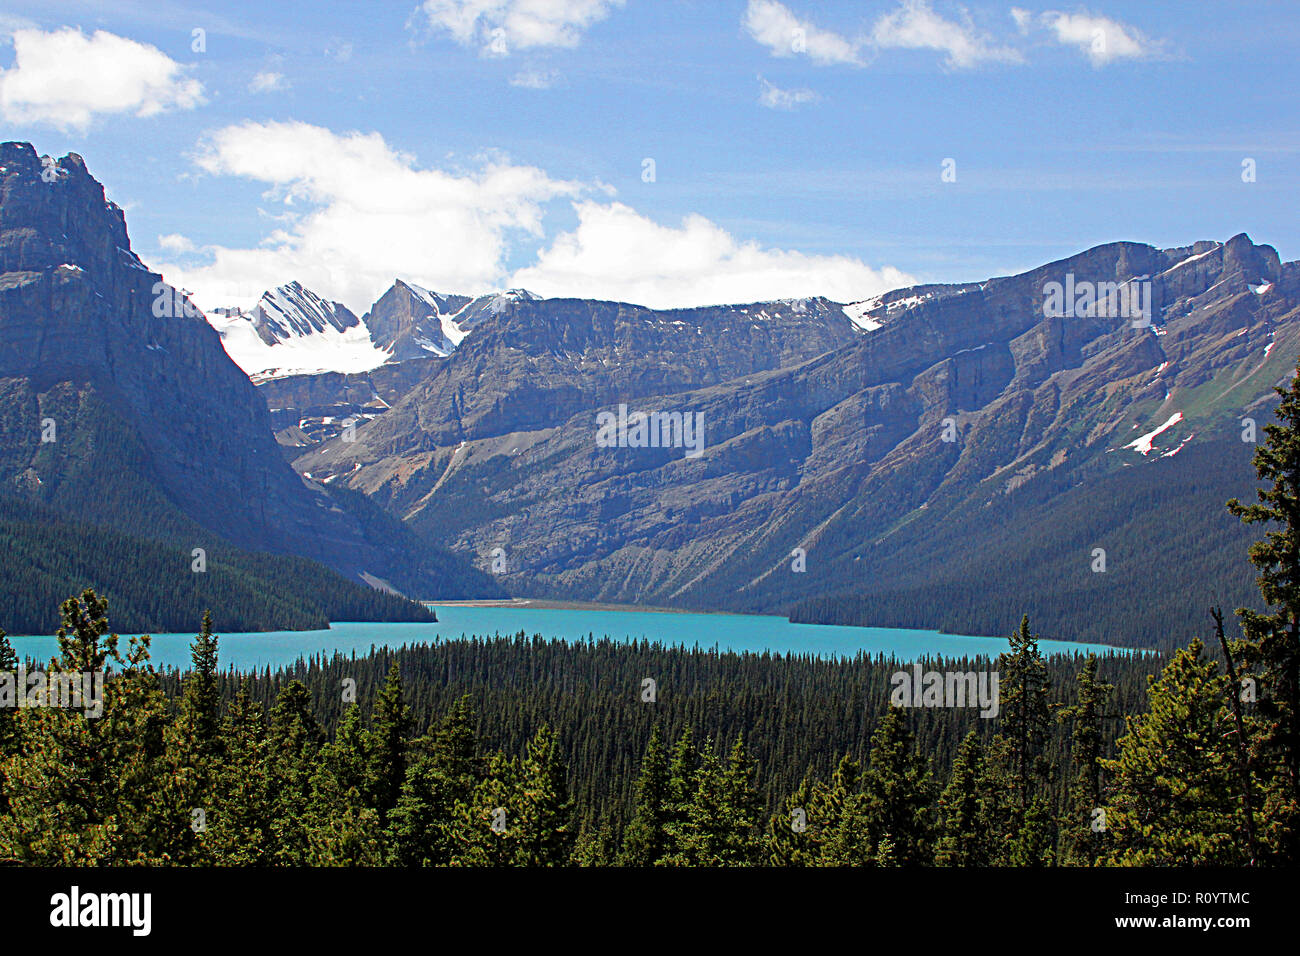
{"points": [[291, 331]]}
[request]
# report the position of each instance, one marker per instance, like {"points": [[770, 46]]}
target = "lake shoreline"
{"points": [[728, 633], [553, 604]]}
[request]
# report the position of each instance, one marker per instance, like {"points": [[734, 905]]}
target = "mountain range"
{"points": [[1059, 441], [122, 411]]}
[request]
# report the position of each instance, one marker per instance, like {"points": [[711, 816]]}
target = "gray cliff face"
{"points": [[91, 340], [406, 320]]}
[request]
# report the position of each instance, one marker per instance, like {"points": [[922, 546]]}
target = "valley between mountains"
{"points": [[943, 456]]}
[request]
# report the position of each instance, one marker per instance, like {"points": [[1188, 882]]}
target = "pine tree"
{"points": [[342, 824], [963, 838], [292, 745], [1174, 801], [194, 747], [386, 746], [646, 838], [84, 789], [442, 776], [681, 791], [721, 824], [792, 833], [239, 826], [1271, 644], [1082, 834], [485, 828], [897, 789], [1026, 716], [544, 835], [8, 715], [595, 846], [999, 814]]}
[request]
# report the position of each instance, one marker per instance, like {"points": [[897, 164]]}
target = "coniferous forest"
{"points": [[516, 751]]}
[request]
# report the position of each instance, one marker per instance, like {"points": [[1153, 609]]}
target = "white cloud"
{"points": [[1102, 39], [775, 27], [499, 26], [354, 213], [65, 78], [616, 253], [175, 242], [535, 79], [915, 26], [346, 213], [267, 82], [775, 98]]}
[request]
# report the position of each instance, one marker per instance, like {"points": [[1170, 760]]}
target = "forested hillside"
{"points": [[152, 585], [1163, 525]]}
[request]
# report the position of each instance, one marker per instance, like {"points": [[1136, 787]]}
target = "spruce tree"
{"points": [[239, 826], [647, 838], [1174, 798], [681, 790], [85, 789], [545, 831], [1024, 683], [342, 823], [8, 716], [792, 833], [485, 828], [386, 746], [1271, 644], [1026, 717], [443, 775], [963, 838], [896, 789], [292, 746], [194, 747], [1082, 832]]}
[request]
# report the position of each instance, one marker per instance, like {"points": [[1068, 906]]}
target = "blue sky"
{"points": [[798, 148]]}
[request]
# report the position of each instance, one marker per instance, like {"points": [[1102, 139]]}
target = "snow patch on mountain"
{"points": [[1143, 444], [857, 313], [293, 331]]}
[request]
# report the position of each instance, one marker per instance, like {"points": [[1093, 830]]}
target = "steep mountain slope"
{"points": [[119, 406], [942, 409], [411, 322]]}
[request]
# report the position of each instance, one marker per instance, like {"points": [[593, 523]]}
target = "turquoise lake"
{"points": [[729, 632]]}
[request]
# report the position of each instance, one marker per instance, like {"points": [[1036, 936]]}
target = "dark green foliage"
{"points": [[546, 777], [1174, 800], [151, 584], [1025, 711], [1086, 716], [1029, 552], [896, 788], [647, 837], [314, 783], [1270, 647], [964, 836]]}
